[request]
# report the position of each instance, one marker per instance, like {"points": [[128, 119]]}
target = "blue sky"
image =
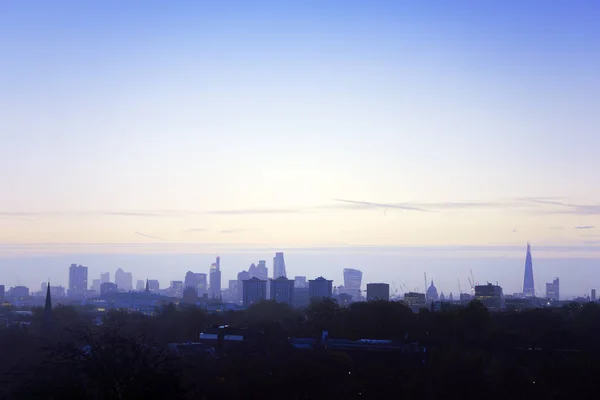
{"points": [[238, 123]]}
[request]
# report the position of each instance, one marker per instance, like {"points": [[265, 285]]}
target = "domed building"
{"points": [[432, 293]]}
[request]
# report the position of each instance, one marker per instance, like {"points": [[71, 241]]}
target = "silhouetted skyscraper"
{"points": [[528, 288], [279, 266], [123, 280], [378, 291], [553, 290], [282, 290], [215, 279], [300, 282], [353, 283], [254, 290], [320, 288], [104, 277], [78, 280], [260, 271], [196, 281]]}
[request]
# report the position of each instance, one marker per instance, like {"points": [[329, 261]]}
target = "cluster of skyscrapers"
{"points": [[255, 284]]}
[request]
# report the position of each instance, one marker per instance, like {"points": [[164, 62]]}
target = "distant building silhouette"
{"points": [[432, 293], [48, 323], [140, 285], [197, 281], [378, 291], [2, 290], [528, 287], [215, 279], [593, 297], [96, 285], [254, 290], [259, 271], [320, 288], [490, 296], [300, 282], [413, 299], [105, 277], [153, 285], [124, 280], [282, 290], [553, 290], [353, 283], [279, 266], [78, 280], [108, 287]]}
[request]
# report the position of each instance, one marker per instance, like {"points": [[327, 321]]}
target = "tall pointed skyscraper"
{"points": [[528, 288], [279, 266]]}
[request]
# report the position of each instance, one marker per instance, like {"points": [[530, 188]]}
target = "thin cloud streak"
{"points": [[367, 204], [254, 211], [228, 231], [585, 227], [148, 236]]}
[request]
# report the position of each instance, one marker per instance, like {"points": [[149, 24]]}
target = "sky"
{"points": [[317, 128]]}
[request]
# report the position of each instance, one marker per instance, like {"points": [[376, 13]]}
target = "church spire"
{"points": [[147, 286], [48, 305], [48, 326]]}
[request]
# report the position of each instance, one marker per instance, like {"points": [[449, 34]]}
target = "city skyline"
{"points": [[385, 128], [401, 280]]}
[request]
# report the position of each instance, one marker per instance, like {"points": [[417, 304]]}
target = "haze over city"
{"points": [[390, 137]]}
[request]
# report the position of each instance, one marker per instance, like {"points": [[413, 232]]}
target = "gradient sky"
{"points": [[244, 124]]}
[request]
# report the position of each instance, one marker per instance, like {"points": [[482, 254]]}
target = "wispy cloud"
{"points": [[585, 227], [227, 231], [565, 207], [192, 230], [148, 236], [254, 211], [367, 204]]}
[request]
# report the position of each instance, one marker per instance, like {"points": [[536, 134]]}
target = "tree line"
{"points": [[549, 353]]}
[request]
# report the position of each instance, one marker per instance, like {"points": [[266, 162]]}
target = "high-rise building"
{"points": [[96, 285], [215, 279], [490, 296], [320, 288], [197, 281], [154, 285], [553, 290], [353, 283], [259, 271], [108, 287], [282, 290], [413, 299], [78, 280], [253, 291], [140, 285], [300, 282], [176, 288], [279, 266], [123, 280], [593, 295], [528, 288], [241, 277], [104, 277], [2, 289], [378, 291]]}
